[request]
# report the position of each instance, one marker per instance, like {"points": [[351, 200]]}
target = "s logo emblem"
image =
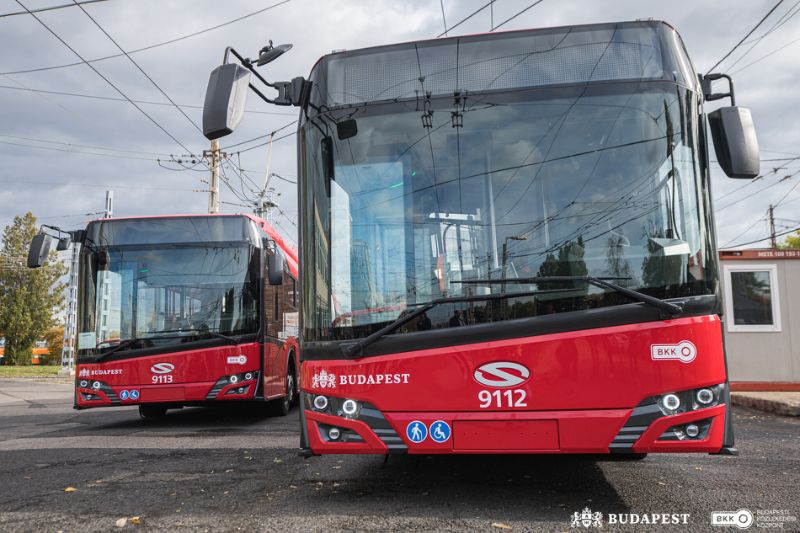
{"points": [[501, 374], [162, 368]]}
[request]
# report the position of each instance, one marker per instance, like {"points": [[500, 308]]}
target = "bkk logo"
{"points": [[684, 351], [162, 368], [237, 360], [501, 374]]}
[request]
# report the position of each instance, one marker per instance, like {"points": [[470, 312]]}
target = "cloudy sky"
{"points": [[61, 152]]}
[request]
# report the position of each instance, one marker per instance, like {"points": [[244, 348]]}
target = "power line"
{"points": [[53, 148], [751, 226], [781, 234], [93, 147], [462, 21], [270, 134], [115, 99], [3, 15], [726, 206], [780, 22], [766, 56], [520, 13], [94, 185], [444, 19], [146, 75], [156, 45], [746, 36], [159, 126]]}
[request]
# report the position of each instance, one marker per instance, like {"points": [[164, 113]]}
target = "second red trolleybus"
{"points": [[184, 310], [507, 242]]}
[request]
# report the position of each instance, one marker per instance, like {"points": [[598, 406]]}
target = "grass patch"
{"points": [[7, 371]]}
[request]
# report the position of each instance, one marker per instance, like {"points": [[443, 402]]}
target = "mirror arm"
{"points": [[710, 96], [246, 63]]}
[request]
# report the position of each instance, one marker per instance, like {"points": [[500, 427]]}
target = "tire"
{"points": [[282, 406], [152, 411]]}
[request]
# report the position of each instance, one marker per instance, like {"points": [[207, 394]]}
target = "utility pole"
{"points": [[772, 241], [213, 190], [71, 321]]}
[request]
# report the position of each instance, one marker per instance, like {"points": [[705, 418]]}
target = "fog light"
{"points": [[705, 396], [671, 402], [241, 390], [234, 379], [96, 385], [334, 433], [248, 376], [84, 383], [320, 403], [692, 430], [350, 407]]}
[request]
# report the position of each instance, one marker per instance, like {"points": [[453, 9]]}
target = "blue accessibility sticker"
{"points": [[123, 395], [440, 431], [134, 395], [416, 431]]}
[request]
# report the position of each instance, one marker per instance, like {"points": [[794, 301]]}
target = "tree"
{"points": [[29, 298], [792, 241]]}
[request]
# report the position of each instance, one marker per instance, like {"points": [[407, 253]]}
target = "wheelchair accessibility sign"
{"points": [[416, 431], [440, 431]]}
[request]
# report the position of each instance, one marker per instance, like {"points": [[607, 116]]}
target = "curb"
{"points": [[767, 405]]}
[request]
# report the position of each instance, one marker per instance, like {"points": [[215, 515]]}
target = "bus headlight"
{"points": [[705, 396], [671, 402], [320, 403], [350, 408]]}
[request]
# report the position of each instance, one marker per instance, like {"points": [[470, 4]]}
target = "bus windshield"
{"points": [[137, 284], [596, 180]]}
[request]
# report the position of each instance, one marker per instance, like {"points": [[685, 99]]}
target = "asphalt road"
{"points": [[214, 469]]}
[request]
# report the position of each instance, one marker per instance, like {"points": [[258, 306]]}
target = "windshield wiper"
{"points": [[671, 310], [121, 346], [351, 349], [230, 340]]}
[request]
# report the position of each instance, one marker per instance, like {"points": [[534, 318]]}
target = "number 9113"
{"points": [[507, 399]]}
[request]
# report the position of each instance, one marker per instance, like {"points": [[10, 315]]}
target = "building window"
{"points": [[751, 298]]}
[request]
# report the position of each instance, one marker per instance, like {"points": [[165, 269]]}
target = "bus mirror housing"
{"points": [[39, 250], [226, 96], [735, 141], [275, 262]]}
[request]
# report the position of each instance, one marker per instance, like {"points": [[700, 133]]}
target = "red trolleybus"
{"points": [[185, 310], [507, 243]]}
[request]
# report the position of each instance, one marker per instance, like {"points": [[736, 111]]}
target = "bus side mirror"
{"points": [[275, 262], [226, 96], [39, 250], [735, 141]]}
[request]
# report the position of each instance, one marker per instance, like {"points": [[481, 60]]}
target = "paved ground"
{"points": [[780, 403], [202, 469]]}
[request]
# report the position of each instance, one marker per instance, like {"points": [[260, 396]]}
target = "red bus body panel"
{"points": [[583, 387]]}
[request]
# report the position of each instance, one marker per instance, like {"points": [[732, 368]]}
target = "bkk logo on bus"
{"points": [[684, 351], [502, 374], [162, 368]]}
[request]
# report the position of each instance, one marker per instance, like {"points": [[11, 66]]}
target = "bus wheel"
{"points": [[152, 411], [281, 407]]}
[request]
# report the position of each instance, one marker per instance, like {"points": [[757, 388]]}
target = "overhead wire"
{"points": [[732, 50], [518, 14], [754, 42], [51, 8], [115, 99], [145, 74], [156, 45], [781, 234], [462, 21], [71, 49]]}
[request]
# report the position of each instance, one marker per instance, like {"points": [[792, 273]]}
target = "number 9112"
{"points": [[502, 399]]}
